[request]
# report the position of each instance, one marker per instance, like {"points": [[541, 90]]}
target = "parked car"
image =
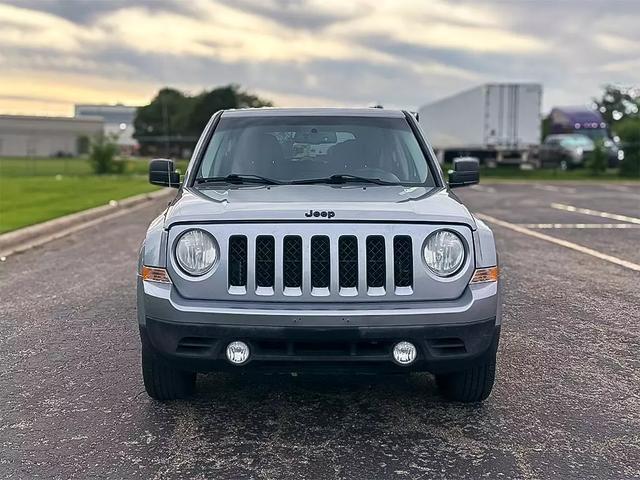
{"points": [[587, 122], [565, 151], [305, 240]]}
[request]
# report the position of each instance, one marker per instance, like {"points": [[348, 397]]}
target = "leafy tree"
{"points": [[629, 132], [597, 161], [173, 121], [102, 155], [545, 127], [160, 123], [618, 103]]}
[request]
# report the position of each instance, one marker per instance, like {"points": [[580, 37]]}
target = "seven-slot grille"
{"points": [[369, 261]]}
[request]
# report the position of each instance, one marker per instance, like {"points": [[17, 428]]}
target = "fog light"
{"points": [[404, 353], [238, 352]]}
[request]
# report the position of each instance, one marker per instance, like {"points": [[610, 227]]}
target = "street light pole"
{"points": [[165, 123]]}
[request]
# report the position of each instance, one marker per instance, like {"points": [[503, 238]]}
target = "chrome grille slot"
{"points": [[237, 261], [376, 264], [292, 261], [320, 262], [348, 261], [265, 262], [403, 261]]}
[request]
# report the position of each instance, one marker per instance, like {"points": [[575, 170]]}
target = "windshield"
{"points": [[294, 149], [575, 141]]}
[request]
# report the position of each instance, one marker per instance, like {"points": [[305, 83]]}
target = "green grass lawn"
{"points": [[28, 200], [33, 191], [38, 167], [514, 173]]}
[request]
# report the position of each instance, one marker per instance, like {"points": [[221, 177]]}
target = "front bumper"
{"points": [[193, 335]]}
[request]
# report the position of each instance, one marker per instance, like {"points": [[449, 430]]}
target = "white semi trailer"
{"points": [[496, 122]]}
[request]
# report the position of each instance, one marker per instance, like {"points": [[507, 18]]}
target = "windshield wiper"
{"points": [[238, 178], [343, 178]]}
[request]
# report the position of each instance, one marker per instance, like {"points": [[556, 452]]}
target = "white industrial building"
{"points": [[34, 136], [118, 122]]}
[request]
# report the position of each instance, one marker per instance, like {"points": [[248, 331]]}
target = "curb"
{"points": [[28, 237]]}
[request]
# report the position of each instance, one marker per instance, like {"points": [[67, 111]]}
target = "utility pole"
{"points": [[165, 123]]}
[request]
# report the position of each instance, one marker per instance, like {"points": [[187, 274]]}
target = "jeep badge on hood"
{"points": [[317, 213]]}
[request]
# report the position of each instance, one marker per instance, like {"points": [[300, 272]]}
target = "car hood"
{"points": [[351, 203]]}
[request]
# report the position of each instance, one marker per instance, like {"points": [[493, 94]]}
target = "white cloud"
{"points": [[438, 25], [227, 34], [617, 43], [315, 51], [21, 27]]}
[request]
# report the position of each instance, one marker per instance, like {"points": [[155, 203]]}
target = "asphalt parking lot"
{"points": [[566, 403]]}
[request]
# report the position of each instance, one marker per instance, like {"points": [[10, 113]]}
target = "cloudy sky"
{"points": [[400, 53]]}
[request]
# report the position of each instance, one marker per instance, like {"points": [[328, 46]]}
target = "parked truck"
{"points": [[495, 122], [580, 120], [589, 123]]}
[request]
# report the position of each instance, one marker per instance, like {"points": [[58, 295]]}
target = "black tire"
{"points": [[473, 384], [163, 382], [469, 386]]}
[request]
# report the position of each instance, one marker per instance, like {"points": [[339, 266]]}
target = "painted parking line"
{"points": [[554, 188], [570, 245], [616, 226], [620, 188], [595, 213], [483, 188]]}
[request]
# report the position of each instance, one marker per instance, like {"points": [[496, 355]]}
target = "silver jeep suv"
{"points": [[305, 240]]}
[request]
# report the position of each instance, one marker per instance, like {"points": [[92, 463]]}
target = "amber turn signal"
{"points": [[155, 274], [483, 275]]}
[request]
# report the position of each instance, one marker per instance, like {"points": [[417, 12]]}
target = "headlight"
{"points": [[443, 253], [196, 252]]}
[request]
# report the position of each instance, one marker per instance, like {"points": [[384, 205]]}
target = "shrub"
{"points": [[629, 132], [597, 161], [102, 156]]}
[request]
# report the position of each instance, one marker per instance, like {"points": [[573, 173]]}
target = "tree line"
{"points": [[171, 124]]}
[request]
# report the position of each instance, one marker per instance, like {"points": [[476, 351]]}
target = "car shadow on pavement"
{"points": [[312, 399], [312, 424]]}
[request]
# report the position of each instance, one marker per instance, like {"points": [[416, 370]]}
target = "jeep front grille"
{"points": [[350, 258]]}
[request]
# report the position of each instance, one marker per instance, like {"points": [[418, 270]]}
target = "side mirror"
{"points": [[466, 171], [163, 172]]}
